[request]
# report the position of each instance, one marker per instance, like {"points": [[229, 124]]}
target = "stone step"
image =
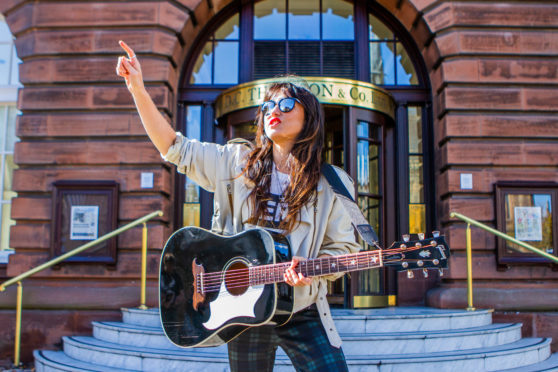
{"points": [[53, 361], [550, 364], [393, 319], [353, 343], [520, 353]]}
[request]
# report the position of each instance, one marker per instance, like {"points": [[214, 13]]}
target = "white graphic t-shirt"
{"points": [[276, 209]]}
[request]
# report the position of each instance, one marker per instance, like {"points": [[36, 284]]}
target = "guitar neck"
{"points": [[327, 265]]}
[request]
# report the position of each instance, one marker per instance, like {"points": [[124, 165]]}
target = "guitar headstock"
{"points": [[428, 253]]}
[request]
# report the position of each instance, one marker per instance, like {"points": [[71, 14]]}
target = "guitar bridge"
{"points": [[198, 293]]}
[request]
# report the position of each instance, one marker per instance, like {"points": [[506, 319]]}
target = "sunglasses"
{"points": [[285, 105]]}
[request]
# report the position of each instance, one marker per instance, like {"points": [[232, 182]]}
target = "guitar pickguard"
{"points": [[227, 306]]}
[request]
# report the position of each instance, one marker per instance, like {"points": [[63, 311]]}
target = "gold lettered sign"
{"points": [[328, 90]]}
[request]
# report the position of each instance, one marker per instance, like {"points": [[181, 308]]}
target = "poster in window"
{"points": [[528, 223], [84, 222]]}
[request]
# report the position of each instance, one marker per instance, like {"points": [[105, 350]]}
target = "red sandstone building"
{"points": [[447, 106]]}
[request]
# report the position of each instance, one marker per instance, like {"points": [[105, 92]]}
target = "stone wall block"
{"points": [[129, 180], [500, 153], [91, 69], [98, 124], [90, 152], [475, 206]]}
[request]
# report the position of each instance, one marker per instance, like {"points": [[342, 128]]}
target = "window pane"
{"points": [[270, 59], [414, 117], [304, 20], [417, 218], [15, 67], [406, 74], [368, 130], [382, 71], [304, 58], [5, 33], [5, 58], [416, 182], [378, 30], [270, 20], [8, 175], [202, 69], [193, 122], [371, 209], [226, 62], [191, 207], [339, 59], [529, 219], [6, 223], [229, 30], [11, 138], [338, 22], [3, 126], [367, 167]]}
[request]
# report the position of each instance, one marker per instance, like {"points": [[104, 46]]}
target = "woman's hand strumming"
{"points": [[129, 68]]}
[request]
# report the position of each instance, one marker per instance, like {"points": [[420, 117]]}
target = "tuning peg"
{"points": [[406, 237], [440, 272], [420, 263], [435, 233], [405, 265], [435, 261], [410, 274], [421, 236], [425, 273]]}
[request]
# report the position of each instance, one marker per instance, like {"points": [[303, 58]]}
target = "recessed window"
{"points": [[304, 37], [389, 61], [218, 61]]}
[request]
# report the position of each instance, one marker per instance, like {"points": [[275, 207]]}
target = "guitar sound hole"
{"points": [[236, 278]]}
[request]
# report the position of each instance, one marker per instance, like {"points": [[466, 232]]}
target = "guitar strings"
{"points": [[340, 258], [239, 282], [249, 287], [275, 272]]}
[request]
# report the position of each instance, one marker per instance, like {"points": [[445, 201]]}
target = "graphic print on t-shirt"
{"points": [[276, 209]]}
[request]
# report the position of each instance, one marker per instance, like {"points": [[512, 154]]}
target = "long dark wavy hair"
{"points": [[304, 161]]}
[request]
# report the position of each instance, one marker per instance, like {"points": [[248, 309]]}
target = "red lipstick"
{"points": [[274, 121]]}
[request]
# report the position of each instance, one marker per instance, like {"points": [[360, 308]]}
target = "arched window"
{"points": [[9, 83], [329, 38], [388, 156]]}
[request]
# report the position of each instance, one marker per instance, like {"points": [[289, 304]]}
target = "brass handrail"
{"points": [[71, 253], [499, 234]]}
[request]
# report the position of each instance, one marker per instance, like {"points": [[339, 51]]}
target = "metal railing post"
{"points": [[469, 271], [17, 343], [143, 266], [17, 279]]}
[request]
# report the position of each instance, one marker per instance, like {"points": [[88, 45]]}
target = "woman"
{"points": [[276, 185]]}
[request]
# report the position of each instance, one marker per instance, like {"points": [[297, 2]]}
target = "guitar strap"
{"points": [[358, 220]]}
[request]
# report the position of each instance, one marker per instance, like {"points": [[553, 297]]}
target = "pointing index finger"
{"points": [[129, 51]]}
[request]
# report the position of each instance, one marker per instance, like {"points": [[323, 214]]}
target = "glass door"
{"points": [[355, 140]]}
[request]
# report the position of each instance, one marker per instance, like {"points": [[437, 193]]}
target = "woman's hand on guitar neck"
{"points": [[293, 278]]}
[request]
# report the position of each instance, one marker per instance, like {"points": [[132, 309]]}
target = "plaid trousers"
{"points": [[303, 339]]}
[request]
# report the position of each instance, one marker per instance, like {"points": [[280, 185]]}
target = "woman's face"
{"points": [[283, 127]]}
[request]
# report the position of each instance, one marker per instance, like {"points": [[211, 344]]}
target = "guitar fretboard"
{"points": [[267, 274]]}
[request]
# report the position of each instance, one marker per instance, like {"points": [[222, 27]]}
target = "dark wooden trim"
{"points": [[503, 188], [61, 242], [362, 56], [246, 47], [402, 173]]}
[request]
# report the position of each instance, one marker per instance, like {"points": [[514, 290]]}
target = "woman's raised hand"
{"points": [[129, 68]]}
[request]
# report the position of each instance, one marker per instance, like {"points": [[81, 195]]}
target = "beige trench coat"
{"points": [[325, 227]]}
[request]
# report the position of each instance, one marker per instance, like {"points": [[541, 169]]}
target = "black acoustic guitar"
{"points": [[212, 287]]}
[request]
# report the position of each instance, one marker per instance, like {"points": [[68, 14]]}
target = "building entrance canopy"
{"points": [[328, 90]]}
